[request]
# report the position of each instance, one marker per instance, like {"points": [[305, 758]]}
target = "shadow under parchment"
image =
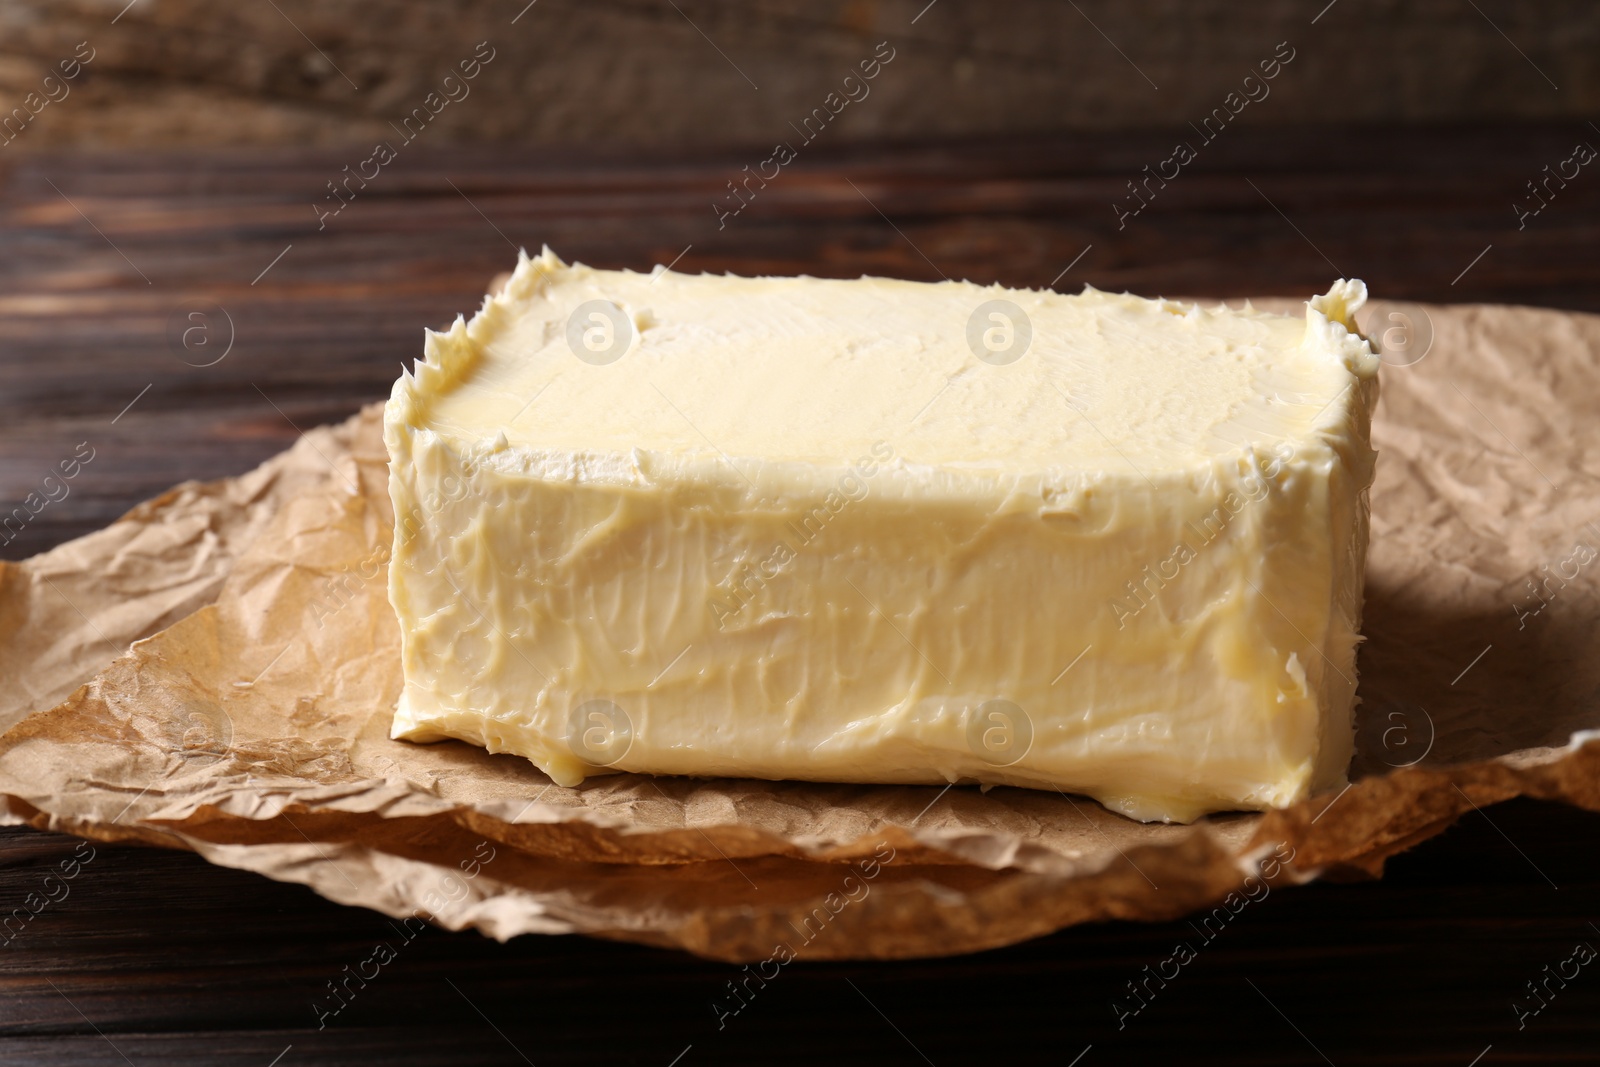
{"points": [[1439, 688]]}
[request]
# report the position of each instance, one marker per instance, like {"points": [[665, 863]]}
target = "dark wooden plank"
{"points": [[631, 71], [177, 961]]}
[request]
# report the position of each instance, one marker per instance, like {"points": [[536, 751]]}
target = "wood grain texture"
{"points": [[175, 961], [645, 72]]}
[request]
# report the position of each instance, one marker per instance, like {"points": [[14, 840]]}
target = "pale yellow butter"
{"points": [[886, 531]]}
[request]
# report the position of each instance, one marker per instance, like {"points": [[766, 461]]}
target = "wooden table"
{"points": [[157, 957]]}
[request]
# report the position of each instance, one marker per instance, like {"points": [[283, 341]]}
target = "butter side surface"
{"points": [[886, 531]]}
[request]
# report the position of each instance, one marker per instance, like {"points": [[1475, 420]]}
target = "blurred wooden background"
{"points": [[656, 72]]}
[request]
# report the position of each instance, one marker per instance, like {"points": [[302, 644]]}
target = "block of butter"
{"points": [[887, 531]]}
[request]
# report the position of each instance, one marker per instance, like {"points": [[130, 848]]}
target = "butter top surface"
{"points": [[568, 360]]}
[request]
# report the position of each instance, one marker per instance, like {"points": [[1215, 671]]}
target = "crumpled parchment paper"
{"points": [[249, 720]]}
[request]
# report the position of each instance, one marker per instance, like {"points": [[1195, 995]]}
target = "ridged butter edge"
{"points": [[449, 356]]}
